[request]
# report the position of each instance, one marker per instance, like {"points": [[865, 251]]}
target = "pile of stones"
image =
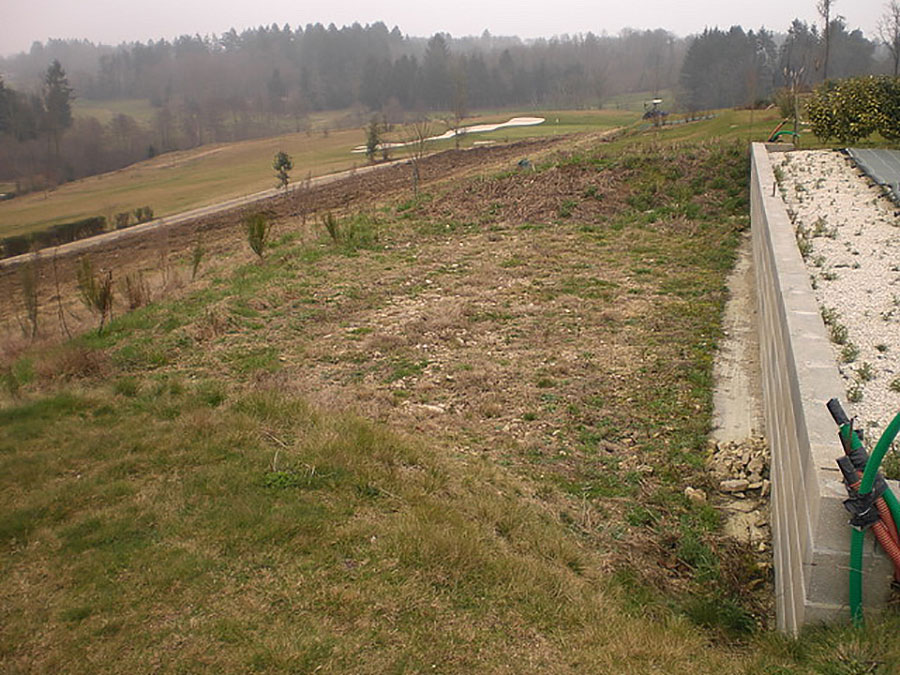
{"points": [[741, 470]]}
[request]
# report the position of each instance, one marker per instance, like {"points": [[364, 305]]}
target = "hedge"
{"points": [[63, 233]]}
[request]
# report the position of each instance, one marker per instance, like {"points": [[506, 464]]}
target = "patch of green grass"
{"points": [[244, 360], [404, 368], [723, 615], [566, 208]]}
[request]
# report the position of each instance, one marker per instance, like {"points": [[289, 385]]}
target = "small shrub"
{"points": [[779, 175], [95, 291], [895, 385], [258, 229], [137, 291], [331, 226], [11, 382], [723, 614], [785, 100], [211, 393], [355, 233], [70, 362], [127, 386], [839, 333], [567, 207], [197, 254], [865, 372], [282, 165], [123, 220], [804, 243], [359, 232], [849, 353], [143, 214], [15, 245]]}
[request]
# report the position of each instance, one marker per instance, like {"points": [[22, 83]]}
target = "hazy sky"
{"points": [[113, 21]]}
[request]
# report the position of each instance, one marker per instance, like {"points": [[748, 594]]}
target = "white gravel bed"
{"points": [[849, 234]]}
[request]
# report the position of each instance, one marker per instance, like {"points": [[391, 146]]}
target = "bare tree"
{"points": [[824, 9], [889, 32], [421, 129], [460, 104]]}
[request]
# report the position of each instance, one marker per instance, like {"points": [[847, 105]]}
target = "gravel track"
{"points": [[849, 235]]}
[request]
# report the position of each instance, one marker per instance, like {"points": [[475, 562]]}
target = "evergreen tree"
{"points": [[57, 103], [282, 165]]}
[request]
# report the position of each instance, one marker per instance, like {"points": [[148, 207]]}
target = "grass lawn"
{"points": [[635, 101], [528, 355]]}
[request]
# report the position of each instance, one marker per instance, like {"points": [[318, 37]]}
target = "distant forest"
{"points": [[269, 79]]}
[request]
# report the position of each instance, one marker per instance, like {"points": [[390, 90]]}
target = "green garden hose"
{"points": [[858, 535]]}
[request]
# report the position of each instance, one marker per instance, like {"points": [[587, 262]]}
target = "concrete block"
{"points": [[810, 532]]}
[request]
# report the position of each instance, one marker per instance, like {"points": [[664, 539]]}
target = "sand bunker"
{"points": [[462, 131]]}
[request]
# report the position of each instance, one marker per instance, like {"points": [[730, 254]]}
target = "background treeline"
{"points": [[735, 68], [269, 80], [266, 69]]}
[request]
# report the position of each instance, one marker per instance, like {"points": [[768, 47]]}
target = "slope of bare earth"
{"points": [[156, 253], [560, 319]]}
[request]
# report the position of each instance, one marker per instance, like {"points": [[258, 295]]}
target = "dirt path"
{"points": [[737, 398]]}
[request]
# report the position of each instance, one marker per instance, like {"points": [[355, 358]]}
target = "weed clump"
{"points": [[353, 234]]}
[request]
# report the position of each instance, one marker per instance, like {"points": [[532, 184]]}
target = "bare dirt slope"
{"points": [[158, 252], [561, 322]]}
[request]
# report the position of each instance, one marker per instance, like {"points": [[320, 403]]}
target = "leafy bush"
{"points": [[852, 109], [55, 235], [64, 233], [143, 214], [15, 245], [123, 220]]}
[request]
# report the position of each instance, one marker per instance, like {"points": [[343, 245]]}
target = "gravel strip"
{"points": [[849, 235]]}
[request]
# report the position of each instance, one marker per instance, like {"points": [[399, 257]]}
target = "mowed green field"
{"points": [[179, 181]]}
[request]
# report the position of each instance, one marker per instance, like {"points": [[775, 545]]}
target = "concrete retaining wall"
{"points": [[811, 538]]}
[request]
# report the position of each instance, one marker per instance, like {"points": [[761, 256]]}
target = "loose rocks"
{"points": [[742, 471]]}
